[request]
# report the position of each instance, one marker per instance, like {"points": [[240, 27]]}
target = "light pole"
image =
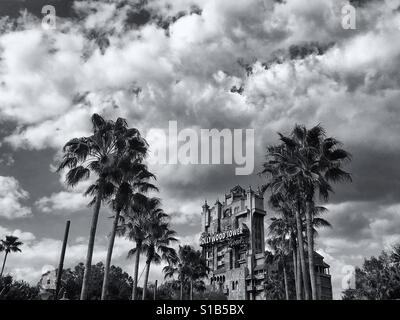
{"points": [[61, 264]]}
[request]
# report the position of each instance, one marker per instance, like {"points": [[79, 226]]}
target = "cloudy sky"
{"points": [[156, 61]]}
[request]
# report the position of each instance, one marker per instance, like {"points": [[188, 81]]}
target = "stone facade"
{"points": [[233, 243]]}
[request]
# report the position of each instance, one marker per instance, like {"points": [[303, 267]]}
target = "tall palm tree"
{"points": [[283, 186], [134, 182], [98, 154], [303, 164], [157, 244], [317, 162], [8, 245]]}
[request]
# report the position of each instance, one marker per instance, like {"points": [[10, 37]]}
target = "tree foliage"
{"points": [[120, 283], [378, 278], [11, 289]]}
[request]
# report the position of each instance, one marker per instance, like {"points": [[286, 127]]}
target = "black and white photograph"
{"points": [[211, 150]]}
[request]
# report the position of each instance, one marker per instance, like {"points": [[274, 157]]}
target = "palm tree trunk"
{"points": [[191, 289], [146, 279], [104, 289], [136, 270], [302, 258], [181, 292], [299, 278], [92, 236], [4, 263], [296, 280], [310, 247], [285, 281]]}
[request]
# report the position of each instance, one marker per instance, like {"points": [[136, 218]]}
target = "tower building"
{"points": [[233, 244]]}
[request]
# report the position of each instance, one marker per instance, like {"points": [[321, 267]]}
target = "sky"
{"points": [[152, 62]]}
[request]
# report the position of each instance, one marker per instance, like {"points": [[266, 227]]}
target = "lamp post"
{"points": [[62, 256]]}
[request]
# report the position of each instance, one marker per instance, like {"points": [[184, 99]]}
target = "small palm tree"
{"points": [[157, 244], [8, 245], [134, 226], [179, 268], [190, 268], [197, 270], [280, 245]]}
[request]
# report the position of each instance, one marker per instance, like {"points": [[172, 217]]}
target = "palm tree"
{"points": [[134, 227], [303, 164], [285, 188], [318, 161], [197, 269], [180, 267], [284, 228], [280, 245], [282, 235], [8, 245], [99, 154], [157, 243], [134, 182]]}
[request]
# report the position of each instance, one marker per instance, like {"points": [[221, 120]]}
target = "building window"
{"points": [[220, 257], [227, 213], [258, 238], [239, 222], [241, 255]]}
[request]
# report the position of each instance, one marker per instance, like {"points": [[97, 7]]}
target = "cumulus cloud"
{"points": [[63, 201], [289, 62], [24, 236], [11, 197]]}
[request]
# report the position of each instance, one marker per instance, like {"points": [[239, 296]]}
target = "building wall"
{"points": [[233, 260], [238, 264]]}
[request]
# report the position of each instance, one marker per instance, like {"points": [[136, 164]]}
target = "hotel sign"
{"points": [[221, 236]]}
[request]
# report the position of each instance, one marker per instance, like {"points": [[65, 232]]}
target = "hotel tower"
{"points": [[233, 244]]}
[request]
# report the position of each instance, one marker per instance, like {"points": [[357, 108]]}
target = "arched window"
{"points": [[227, 213]]}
